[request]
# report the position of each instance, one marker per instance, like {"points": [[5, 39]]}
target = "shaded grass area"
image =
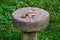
{"points": [[9, 32]]}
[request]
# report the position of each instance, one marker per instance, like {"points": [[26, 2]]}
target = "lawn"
{"points": [[9, 32]]}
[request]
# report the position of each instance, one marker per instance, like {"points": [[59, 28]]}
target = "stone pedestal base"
{"points": [[29, 36]]}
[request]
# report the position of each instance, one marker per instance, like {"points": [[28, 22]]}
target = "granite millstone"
{"points": [[30, 24]]}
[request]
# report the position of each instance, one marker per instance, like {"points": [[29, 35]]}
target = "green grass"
{"points": [[9, 32]]}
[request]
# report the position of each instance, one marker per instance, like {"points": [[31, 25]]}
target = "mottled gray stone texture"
{"points": [[37, 23]]}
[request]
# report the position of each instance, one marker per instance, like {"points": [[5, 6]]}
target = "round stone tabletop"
{"points": [[30, 19]]}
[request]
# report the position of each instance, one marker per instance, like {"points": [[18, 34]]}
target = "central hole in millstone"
{"points": [[29, 14]]}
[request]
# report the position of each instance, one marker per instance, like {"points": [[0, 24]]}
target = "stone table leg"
{"points": [[29, 36]]}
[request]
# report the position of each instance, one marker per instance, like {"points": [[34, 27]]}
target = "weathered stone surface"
{"points": [[36, 23]]}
